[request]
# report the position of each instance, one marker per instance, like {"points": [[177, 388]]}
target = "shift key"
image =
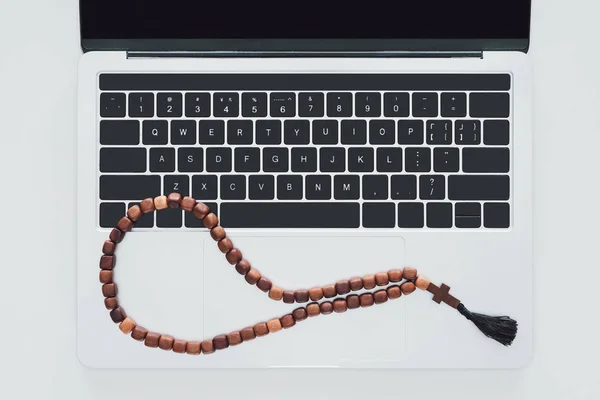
{"points": [[129, 187], [478, 187]]}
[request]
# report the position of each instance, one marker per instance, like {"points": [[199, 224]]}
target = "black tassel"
{"points": [[501, 329]]}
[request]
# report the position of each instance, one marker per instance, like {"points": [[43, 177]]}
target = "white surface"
{"points": [[38, 59], [475, 264]]}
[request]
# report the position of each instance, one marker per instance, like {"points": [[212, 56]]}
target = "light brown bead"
{"points": [[234, 256], [139, 333], [234, 338], [369, 282], [356, 284], [118, 315], [243, 267], [107, 262], [225, 245], [315, 294], [274, 325], [152, 339], [210, 220], [188, 203], [313, 309], [111, 303], [147, 206], [289, 297], [116, 235], [326, 308], [201, 210], [166, 342], [366, 300], [217, 233], [264, 284], [220, 342], [380, 296], [207, 347], [110, 290], [301, 296], [261, 329], [422, 282], [179, 346], [342, 287], [410, 274], [135, 213], [125, 224], [161, 203], [408, 287], [252, 276], [329, 291], [127, 325], [353, 301], [394, 292], [381, 279], [287, 321], [276, 293], [300, 314], [248, 334], [106, 276], [395, 275], [193, 348], [340, 305], [174, 200], [108, 248]]}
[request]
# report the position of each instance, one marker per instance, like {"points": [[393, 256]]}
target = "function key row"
{"points": [[310, 104]]}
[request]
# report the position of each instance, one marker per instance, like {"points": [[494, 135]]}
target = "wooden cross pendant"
{"points": [[443, 294]]}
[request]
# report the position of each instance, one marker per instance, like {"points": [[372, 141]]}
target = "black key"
{"points": [[468, 132], [169, 218], [368, 104], [289, 187], [410, 132], [296, 131], [147, 220], [169, 105], [111, 213], [485, 159], [304, 159], [212, 132], [467, 215], [141, 105], [127, 159], [454, 104], [283, 104], [311, 105], [226, 105], [439, 215], [425, 104], [396, 104], [233, 187], [268, 131], [446, 159], [204, 187], [404, 187], [162, 159], [418, 159], [183, 132], [155, 132], [411, 215], [254, 105], [375, 187], [192, 222], [120, 132], [496, 215], [318, 187], [339, 104], [432, 187], [325, 132], [261, 187], [346, 187], [190, 159], [379, 215], [129, 187], [276, 159], [178, 184], [240, 132], [332, 159], [382, 132], [354, 131], [112, 105], [290, 215], [491, 105], [218, 159], [361, 159], [247, 159], [439, 131], [389, 159], [495, 132], [197, 104], [478, 187]]}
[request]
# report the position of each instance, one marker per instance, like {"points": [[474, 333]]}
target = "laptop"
{"points": [[331, 142]]}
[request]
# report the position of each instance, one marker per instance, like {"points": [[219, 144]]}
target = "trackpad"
{"points": [[360, 337]]}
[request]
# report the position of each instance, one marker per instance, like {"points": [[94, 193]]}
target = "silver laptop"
{"points": [[331, 142]]}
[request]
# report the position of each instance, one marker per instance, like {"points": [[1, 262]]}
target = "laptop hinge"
{"points": [[311, 54]]}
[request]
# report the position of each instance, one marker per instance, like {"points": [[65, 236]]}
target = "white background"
{"points": [[39, 52]]}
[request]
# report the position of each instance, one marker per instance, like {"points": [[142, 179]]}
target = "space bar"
{"points": [[290, 215]]}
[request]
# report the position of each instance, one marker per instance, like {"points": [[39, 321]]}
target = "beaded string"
{"points": [[393, 283]]}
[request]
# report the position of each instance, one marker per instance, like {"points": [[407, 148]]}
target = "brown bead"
{"points": [[395, 275], [107, 262], [247, 334], [422, 283], [225, 245], [380, 296], [111, 303], [366, 300], [125, 224], [234, 256], [139, 333], [234, 338], [127, 325], [315, 294], [108, 248], [329, 291], [161, 203], [147, 206], [200, 210], [353, 301], [243, 267], [193, 348], [410, 274], [301, 296], [116, 235], [313, 309], [106, 276], [381, 279], [394, 292], [252, 276], [276, 293], [289, 297], [152, 339], [188, 203], [220, 342], [342, 287], [211, 220], [217, 233], [274, 325], [300, 314], [110, 290], [287, 321], [261, 329], [135, 213], [356, 284], [369, 282], [408, 287], [340, 305], [118, 315], [174, 199], [326, 308], [264, 284], [166, 342], [207, 347], [179, 346]]}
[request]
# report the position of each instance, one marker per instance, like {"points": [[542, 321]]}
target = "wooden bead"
{"points": [[207, 347], [125, 224], [329, 291], [381, 279], [366, 300], [193, 348], [220, 342], [313, 309], [247, 334], [200, 210], [106, 276], [110, 290], [394, 292], [111, 303], [353, 301], [225, 245], [174, 199], [107, 262], [179, 346], [152, 339], [147, 206], [408, 287], [301, 296], [139, 333], [135, 213], [289, 297], [261, 329], [356, 284], [300, 314], [380, 296], [252, 276], [243, 267], [340, 305], [234, 256], [127, 325], [395, 275], [161, 203], [342, 287], [210, 220], [166, 342], [234, 338], [276, 293], [315, 294], [410, 274], [287, 321], [264, 284], [274, 325], [217, 233], [369, 282], [188, 203], [422, 282], [326, 308], [108, 248], [118, 315], [116, 235]]}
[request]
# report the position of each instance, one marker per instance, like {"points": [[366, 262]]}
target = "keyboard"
{"points": [[359, 151]]}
